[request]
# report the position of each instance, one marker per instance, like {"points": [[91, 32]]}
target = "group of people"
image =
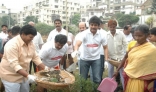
{"points": [[132, 48], [93, 46]]}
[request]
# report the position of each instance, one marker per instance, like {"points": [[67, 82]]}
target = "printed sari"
{"points": [[139, 72]]}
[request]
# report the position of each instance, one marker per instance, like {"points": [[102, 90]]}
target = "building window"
{"points": [[56, 6], [92, 13], [3, 11], [14, 15], [63, 2], [56, 1], [36, 12]]}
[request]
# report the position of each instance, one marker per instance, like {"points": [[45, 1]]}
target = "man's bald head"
{"points": [[82, 26], [31, 23]]}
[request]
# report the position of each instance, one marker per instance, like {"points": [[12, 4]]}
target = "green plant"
{"points": [[43, 28], [149, 21], [128, 19], [30, 18]]}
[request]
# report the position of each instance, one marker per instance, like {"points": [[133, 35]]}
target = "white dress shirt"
{"points": [[101, 48], [117, 45], [54, 32], [129, 37], [37, 41], [91, 44], [80, 48], [3, 35]]}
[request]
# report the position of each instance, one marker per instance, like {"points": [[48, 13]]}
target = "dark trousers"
{"points": [[66, 63], [34, 66], [102, 58]]}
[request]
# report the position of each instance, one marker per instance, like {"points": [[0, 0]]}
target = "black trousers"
{"points": [[34, 66]]}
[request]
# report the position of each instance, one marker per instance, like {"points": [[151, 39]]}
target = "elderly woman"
{"points": [[139, 63]]}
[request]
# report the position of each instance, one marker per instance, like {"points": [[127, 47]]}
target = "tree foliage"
{"points": [[43, 28], [149, 21], [128, 19], [153, 8], [30, 18], [75, 19], [5, 20], [118, 15]]}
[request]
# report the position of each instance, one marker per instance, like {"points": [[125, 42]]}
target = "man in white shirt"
{"points": [[52, 52], [57, 30], [82, 27], [116, 46], [127, 33], [91, 40], [38, 42], [102, 57], [69, 64], [4, 33]]}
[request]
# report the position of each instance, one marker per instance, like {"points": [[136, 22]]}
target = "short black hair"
{"points": [[9, 30], [142, 28], [15, 30], [153, 31], [126, 27], [62, 39], [57, 20], [4, 26], [28, 29], [94, 19]]}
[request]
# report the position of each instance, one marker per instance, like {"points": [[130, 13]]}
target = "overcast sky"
{"points": [[17, 5]]}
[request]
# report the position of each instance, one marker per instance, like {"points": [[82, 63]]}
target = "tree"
{"points": [[5, 20], [149, 21], [75, 19], [30, 18], [118, 15], [43, 28], [128, 19], [1, 23], [153, 8]]}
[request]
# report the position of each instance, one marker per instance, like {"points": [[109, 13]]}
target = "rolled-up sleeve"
{"points": [[12, 57], [36, 59]]}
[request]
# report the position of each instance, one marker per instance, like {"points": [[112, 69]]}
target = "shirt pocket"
{"points": [[119, 45]]}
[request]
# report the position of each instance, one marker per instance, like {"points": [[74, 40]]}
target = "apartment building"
{"points": [[48, 10], [123, 6], [4, 11], [90, 9]]}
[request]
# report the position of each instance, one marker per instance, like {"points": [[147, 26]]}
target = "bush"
{"points": [[43, 28], [128, 19]]}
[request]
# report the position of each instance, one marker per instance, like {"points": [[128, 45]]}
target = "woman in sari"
{"points": [[139, 63]]}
